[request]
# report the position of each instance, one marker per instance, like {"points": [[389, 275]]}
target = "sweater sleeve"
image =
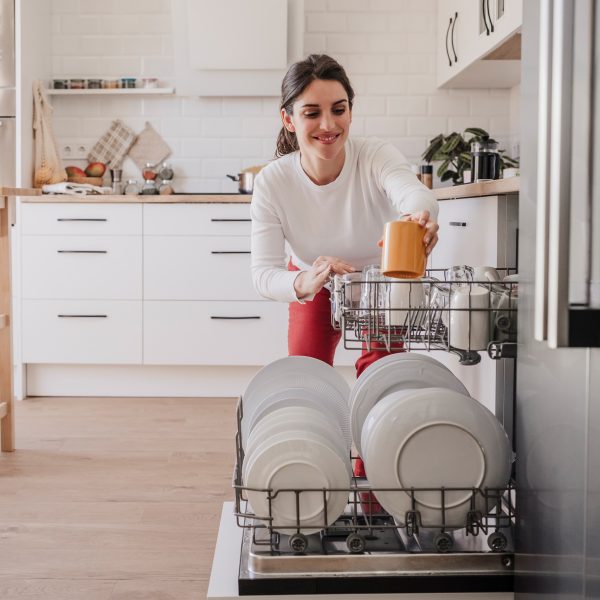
{"points": [[270, 276], [407, 194]]}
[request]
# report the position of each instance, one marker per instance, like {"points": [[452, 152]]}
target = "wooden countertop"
{"points": [[166, 199], [485, 188]]}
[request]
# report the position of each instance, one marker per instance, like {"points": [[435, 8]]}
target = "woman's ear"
{"points": [[287, 121]]}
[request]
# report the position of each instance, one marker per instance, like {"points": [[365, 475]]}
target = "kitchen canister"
{"points": [[485, 161], [403, 254]]}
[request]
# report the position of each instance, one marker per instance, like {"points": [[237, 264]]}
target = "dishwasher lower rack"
{"points": [[364, 522], [461, 317]]}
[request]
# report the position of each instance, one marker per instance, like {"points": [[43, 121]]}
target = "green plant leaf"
{"points": [[448, 175], [477, 132], [434, 145]]}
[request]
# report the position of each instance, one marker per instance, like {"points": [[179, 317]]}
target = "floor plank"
{"points": [[114, 498]]}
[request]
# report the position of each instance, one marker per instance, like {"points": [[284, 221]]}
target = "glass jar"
{"points": [[149, 172], [128, 82], [485, 161], [77, 84], [165, 172], [110, 84], [165, 187], [132, 188], [94, 84], [149, 188], [60, 84]]}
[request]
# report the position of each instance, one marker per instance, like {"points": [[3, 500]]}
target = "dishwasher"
{"points": [[367, 550]]}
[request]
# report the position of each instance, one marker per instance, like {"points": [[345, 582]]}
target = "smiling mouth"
{"points": [[327, 139]]}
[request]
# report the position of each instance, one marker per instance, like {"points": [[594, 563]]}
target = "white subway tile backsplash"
{"points": [[242, 147], [449, 106], [325, 22], [386, 46], [427, 125], [367, 22], [407, 105]]}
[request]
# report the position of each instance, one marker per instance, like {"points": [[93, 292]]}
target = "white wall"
{"points": [[387, 47]]}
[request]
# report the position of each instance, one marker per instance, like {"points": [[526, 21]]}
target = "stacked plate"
{"points": [[296, 439], [419, 428]]}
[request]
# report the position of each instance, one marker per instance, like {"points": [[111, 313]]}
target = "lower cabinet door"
{"points": [[214, 333], [82, 331]]}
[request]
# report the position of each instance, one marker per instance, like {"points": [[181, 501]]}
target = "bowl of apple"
{"points": [[92, 174]]}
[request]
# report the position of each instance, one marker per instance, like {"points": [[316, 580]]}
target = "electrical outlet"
{"points": [[74, 149]]}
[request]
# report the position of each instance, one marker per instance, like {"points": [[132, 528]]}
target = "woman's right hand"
{"points": [[312, 281]]}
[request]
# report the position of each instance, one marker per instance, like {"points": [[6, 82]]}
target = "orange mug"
{"points": [[403, 253]]}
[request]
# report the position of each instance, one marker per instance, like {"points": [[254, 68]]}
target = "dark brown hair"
{"points": [[299, 75]]}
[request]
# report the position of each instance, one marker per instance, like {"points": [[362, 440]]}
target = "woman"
{"points": [[327, 197]]}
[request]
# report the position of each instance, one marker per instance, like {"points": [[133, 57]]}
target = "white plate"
{"points": [[432, 438], [305, 462], [403, 370], [336, 413], [298, 372], [291, 419]]}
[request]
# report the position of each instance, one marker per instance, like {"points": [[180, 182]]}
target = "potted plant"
{"points": [[454, 151]]}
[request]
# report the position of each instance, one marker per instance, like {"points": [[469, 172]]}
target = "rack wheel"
{"points": [[443, 542], [355, 543], [497, 541], [298, 543]]}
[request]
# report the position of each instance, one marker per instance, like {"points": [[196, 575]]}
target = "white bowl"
{"points": [[403, 370], [433, 438]]}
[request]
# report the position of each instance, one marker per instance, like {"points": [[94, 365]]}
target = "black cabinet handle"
{"points": [[452, 37], [230, 251], [490, 16], [487, 29], [103, 220], [447, 51], [457, 224], [82, 251], [233, 318], [230, 220], [82, 316]]}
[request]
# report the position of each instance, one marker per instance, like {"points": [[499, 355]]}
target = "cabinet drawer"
{"points": [[197, 219], [468, 233], [76, 267], [81, 219], [197, 268], [82, 331], [214, 333]]}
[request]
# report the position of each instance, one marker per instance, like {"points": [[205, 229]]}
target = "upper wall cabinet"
{"points": [[479, 43], [235, 47]]}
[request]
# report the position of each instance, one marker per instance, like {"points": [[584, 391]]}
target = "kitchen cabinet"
{"points": [[218, 52], [478, 43]]}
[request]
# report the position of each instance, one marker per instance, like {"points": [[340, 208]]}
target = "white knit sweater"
{"points": [[344, 218]]}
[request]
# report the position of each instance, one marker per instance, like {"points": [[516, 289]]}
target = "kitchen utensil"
{"points": [[469, 322], [433, 438], [245, 180], [403, 255], [485, 160], [402, 295], [395, 372]]}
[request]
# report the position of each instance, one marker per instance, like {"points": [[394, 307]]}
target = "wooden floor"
{"points": [[114, 498]]}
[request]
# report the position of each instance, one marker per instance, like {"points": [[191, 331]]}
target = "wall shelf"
{"points": [[117, 91]]}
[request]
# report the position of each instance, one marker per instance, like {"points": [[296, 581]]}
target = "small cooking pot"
{"points": [[246, 181]]}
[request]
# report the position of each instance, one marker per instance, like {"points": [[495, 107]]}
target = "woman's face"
{"points": [[321, 118]]}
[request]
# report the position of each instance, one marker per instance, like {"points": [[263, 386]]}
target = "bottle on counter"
{"points": [[132, 188], [165, 187], [149, 172], [117, 184], [427, 175]]}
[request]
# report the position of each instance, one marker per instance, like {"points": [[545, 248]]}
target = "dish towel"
{"points": [[112, 147], [48, 167], [74, 189], [149, 148]]}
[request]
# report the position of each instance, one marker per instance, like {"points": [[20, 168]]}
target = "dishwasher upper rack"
{"points": [[362, 311], [364, 515]]}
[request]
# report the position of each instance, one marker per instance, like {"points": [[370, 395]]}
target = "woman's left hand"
{"points": [[431, 228]]}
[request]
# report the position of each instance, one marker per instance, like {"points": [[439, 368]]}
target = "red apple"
{"points": [[95, 169], [74, 172]]}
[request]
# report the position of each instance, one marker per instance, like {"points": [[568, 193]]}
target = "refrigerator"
{"points": [[558, 367], [7, 94]]}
